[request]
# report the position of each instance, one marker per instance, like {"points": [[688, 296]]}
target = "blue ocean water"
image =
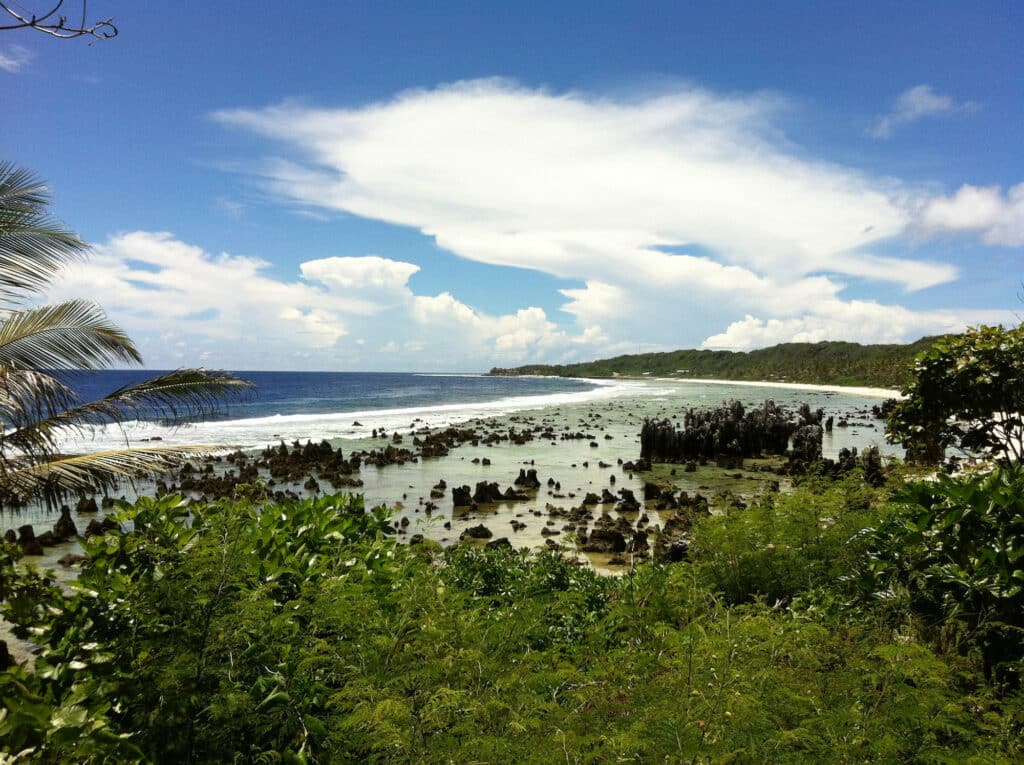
{"points": [[308, 393], [351, 405]]}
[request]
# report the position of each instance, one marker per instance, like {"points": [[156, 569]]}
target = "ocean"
{"points": [[345, 409], [335, 405], [349, 406]]}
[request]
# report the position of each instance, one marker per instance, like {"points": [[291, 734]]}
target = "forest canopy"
{"points": [[831, 363]]}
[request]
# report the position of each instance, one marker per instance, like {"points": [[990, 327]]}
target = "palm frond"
{"points": [[28, 396], [174, 398], [72, 335], [34, 245], [89, 472]]}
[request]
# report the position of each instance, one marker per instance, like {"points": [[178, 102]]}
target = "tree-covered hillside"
{"points": [[836, 363]]}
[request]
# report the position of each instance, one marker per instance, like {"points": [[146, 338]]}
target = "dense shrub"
{"points": [[956, 547], [967, 392], [784, 544], [303, 633]]}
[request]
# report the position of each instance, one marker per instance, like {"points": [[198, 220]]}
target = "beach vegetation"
{"points": [[967, 393], [816, 627]]}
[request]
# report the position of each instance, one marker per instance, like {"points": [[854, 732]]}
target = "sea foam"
{"points": [[258, 432]]}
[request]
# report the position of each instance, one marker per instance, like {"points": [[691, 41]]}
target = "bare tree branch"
{"points": [[61, 27]]}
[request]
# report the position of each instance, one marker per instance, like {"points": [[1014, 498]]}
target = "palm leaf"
{"points": [[28, 396], [73, 335], [34, 246], [89, 472], [175, 397]]}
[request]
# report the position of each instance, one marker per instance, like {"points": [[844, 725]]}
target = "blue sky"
{"points": [[451, 186]]}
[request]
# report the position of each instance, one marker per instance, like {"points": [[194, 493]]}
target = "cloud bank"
{"points": [[682, 219], [188, 306], [672, 211]]}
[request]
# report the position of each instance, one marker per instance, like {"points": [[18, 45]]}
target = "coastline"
{"points": [[856, 390], [358, 424]]}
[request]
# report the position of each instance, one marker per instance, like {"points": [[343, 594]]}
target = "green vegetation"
{"points": [[36, 408], [840, 621], [826, 624], [967, 392], [831, 363]]}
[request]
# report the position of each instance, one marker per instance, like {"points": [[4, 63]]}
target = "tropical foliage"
{"points": [[37, 408], [955, 548], [303, 633], [967, 392], [835, 363]]}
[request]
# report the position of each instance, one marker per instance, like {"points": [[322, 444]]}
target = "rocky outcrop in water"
{"points": [[730, 433]]}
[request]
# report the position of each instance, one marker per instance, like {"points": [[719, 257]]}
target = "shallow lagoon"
{"points": [[612, 415]]}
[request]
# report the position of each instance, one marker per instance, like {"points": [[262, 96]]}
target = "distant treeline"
{"points": [[833, 363]]}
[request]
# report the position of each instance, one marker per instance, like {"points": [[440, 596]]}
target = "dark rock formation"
{"points": [[727, 433], [806, 445], [461, 496], [65, 528], [28, 542], [528, 479], [100, 527], [604, 540], [486, 492], [477, 532]]}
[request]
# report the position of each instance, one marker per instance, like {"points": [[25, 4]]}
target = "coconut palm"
{"points": [[37, 409]]}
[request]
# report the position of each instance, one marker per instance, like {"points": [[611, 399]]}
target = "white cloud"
{"points": [[362, 272], [857, 320], [673, 210], [583, 187], [13, 58], [184, 306], [527, 334], [997, 217], [914, 104], [365, 284], [596, 300], [322, 328]]}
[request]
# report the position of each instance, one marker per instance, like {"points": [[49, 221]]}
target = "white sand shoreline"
{"points": [[854, 390]]}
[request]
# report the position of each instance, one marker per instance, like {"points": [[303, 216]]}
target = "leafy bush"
{"points": [[166, 618], [967, 392], [303, 633], [784, 544], [956, 546]]}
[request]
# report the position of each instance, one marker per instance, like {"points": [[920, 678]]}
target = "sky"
{"points": [[453, 186]]}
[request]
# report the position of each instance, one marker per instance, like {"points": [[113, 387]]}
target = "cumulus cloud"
{"points": [[915, 104], [856, 320], [365, 284], [13, 58], [185, 306], [359, 273], [997, 217], [526, 335]]}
